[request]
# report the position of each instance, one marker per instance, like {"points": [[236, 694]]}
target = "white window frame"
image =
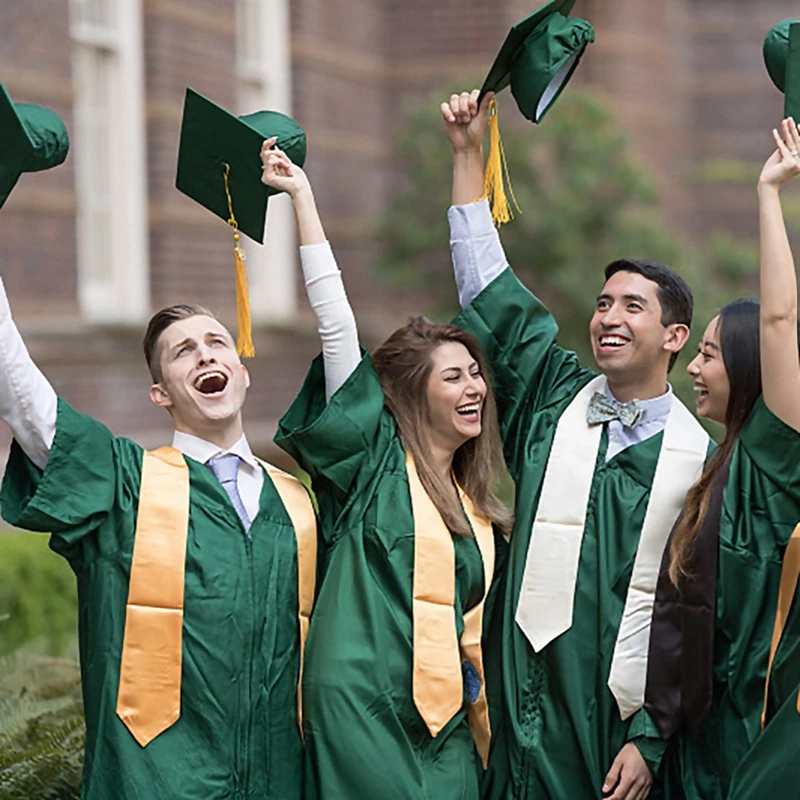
{"points": [[113, 280], [263, 77]]}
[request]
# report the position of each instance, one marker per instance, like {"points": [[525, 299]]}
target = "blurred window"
{"points": [[109, 149], [263, 73]]}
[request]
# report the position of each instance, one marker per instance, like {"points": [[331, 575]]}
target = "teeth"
{"points": [[210, 375], [473, 408], [700, 389], [216, 375], [613, 340]]}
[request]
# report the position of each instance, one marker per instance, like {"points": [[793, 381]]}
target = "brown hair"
{"points": [[403, 363], [159, 322]]}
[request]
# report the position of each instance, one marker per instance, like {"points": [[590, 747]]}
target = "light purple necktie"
{"points": [[225, 469]]}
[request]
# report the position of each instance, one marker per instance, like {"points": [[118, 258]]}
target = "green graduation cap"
{"points": [[32, 138], [219, 166], [538, 57], [537, 60], [782, 57]]}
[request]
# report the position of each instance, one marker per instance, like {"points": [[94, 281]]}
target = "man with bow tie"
{"points": [[602, 464]]}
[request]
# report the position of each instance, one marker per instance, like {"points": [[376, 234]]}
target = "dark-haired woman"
{"points": [[403, 450], [711, 635]]}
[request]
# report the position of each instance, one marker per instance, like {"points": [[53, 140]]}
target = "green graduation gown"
{"points": [[760, 508], [556, 725], [237, 734], [771, 768], [364, 737]]}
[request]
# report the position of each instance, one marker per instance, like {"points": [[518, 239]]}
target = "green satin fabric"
{"points": [[771, 767], [237, 735], [556, 725], [364, 736], [760, 508]]}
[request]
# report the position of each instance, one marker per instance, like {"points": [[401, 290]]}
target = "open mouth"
{"points": [[702, 392], [470, 412], [211, 382], [613, 341]]}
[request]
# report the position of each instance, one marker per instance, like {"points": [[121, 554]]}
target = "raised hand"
{"points": [[279, 172], [784, 163], [465, 123]]}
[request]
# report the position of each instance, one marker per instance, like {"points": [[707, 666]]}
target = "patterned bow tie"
{"points": [[603, 408]]}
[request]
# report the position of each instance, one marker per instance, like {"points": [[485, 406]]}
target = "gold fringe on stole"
{"points": [[496, 175], [244, 332], [149, 697], [790, 572], [297, 503]]}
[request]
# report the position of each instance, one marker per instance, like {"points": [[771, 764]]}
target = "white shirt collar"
{"points": [[201, 450], [654, 409]]}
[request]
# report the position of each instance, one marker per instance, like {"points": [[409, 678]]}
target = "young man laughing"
{"points": [[195, 567], [602, 464]]}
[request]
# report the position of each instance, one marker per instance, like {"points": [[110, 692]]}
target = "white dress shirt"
{"points": [[249, 479], [479, 258], [653, 420]]}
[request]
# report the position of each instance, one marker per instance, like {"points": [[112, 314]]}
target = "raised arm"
{"points": [[780, 361], [336, 323], [478, 256], [27, 401]]}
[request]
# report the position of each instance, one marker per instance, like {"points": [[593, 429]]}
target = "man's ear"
{"points": [[246, 377], [675, 337], [159, 395]]}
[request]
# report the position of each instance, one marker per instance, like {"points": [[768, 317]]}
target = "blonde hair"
{"points": [[403, 363]]}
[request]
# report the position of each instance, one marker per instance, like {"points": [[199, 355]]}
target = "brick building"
{"points": [[89, 249]]}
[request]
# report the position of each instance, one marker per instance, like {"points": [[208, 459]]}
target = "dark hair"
{"points": [[159, 322], [674, 295], [740, 343], [403, 363]]}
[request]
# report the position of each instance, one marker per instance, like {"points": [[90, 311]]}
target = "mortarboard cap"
{"points": [[219, 166], [32, 138], [538, 57], [782, 57], [537, 60]]}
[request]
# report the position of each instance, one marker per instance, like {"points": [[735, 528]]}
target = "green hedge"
{"points": [[38, 595]]}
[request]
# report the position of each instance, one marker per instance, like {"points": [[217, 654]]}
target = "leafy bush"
{"points": [[42, 732], [38, 595]]}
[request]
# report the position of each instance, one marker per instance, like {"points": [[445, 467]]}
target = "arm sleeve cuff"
{"points": [[645, 735]]}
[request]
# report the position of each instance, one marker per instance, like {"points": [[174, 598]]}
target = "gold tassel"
{"points": [[244, 333], [496, 175]]}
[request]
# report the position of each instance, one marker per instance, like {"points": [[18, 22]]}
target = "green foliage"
{"points": [[42, 732], [38, 595]]}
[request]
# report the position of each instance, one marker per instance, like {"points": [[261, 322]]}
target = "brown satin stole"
{"points": [[680, 660]]}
